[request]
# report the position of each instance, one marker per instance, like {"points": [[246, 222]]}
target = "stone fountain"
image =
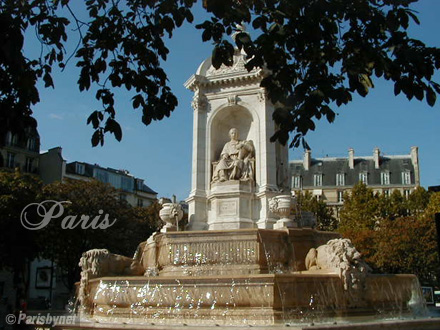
{"points": [[249, 256]]}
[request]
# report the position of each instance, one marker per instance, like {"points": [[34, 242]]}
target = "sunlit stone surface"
{"points": [[242, 277]]}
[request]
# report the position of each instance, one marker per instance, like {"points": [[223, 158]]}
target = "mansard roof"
{"points": [[329, 167]]}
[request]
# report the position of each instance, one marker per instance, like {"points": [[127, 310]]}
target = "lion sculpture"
{"points": [[340, 256], [100, 262]]}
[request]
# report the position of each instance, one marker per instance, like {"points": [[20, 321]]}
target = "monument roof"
{"points": [[206, 74]]}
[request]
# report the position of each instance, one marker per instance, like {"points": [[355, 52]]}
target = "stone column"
{"points": [[197, 202], [273, 164]]}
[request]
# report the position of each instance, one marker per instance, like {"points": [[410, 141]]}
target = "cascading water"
{"points": [[246, 277]]}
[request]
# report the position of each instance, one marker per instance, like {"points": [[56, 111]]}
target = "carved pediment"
{"points": [[237, 67]]}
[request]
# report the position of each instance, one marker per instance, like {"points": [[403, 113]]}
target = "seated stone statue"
{"points": [[236, 160]]}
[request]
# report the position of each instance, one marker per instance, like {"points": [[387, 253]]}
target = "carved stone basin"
{"points": [[264, 299], [240, 277]]}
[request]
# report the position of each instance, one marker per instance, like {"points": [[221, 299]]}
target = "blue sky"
{"points": [[161, 152]]}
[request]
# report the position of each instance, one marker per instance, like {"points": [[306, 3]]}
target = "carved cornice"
{"points": [[197, 81]]}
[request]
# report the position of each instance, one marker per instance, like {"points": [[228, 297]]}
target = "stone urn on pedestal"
{"points": [[283, 206], [171, 214]]}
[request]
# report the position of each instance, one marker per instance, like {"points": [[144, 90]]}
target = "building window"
{"points": [[296, 181], [32, 144], [317, 180], [406, 177], [363, 177], [29, 163], [102, 175], [11, 139], [10, 160], [340, 196], [386, 193], [80, 169], [140, 184], [140, 202], [127, 183], [340, 179], [385, 178], [406, 193]]}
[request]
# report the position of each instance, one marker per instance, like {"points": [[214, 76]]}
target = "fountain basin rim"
{"points": [[243, 230], [420, 324], [219, 277], [301, 274]]}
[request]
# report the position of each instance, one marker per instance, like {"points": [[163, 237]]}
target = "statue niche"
{"points": [[237, 160]]}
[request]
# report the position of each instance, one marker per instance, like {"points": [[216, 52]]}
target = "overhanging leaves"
{"points": [[317, 54]]}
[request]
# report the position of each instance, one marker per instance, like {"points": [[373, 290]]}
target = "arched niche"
{"points": [[223, 120]]}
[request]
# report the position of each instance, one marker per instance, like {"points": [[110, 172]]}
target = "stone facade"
{"points": [[21, 151], [227, 98]]}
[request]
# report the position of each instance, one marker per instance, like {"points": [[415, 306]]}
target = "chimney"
{"points": [[351, 158], [415, 163], [376, 156], [307, 159]]}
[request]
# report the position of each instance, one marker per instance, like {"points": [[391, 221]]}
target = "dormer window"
{"points": [[317, 180], [297, 181], [385, 178], [363, 177], [340, 179], [80, 169], [139, 184], [406, 177]]}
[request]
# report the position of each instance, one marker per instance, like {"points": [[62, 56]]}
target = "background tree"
{"points": [[318, 54], [360, 209], [140, 223], [407, 245], [18, 246], [398, 205], [324, 215], [418, 201], [391, 240], [358, 218], [65, 246]]}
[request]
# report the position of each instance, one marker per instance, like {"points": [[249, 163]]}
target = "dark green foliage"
{"points": [[18, 246], [318, 54], [324, 216], [65, 246]]}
